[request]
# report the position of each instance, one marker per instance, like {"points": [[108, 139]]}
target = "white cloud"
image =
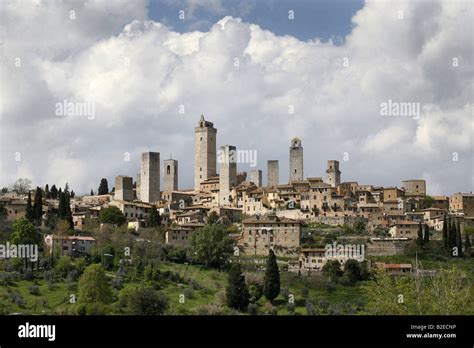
{"points": [[139, 72]]}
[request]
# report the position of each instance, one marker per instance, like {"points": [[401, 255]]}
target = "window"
{"points": [[168, 169]]}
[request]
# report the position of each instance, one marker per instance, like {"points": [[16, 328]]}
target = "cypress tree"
{"points": [[68, 213], [467, 243], [237, 293], [38, 206], [419, 240], [445, 232], [92, 192], [54, 192], [30, 214], [452, 236], [47, 194], [271, 282], [427, 234], [459, 240], [103, 187]]}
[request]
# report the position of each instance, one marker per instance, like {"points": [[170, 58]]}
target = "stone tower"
{"points": [[205, 152], [170, 175], [227, 173], [296, 160], [256, 177], [123, 188], [137, 187], [150, 177], [333, 173], [273, 173]]}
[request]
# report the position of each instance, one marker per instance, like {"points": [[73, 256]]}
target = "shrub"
{"points": [[252, 309], [305, 292], [291, 308], [33, 289], [310, 309], [195, 285], [285, 293], [189, 293]]}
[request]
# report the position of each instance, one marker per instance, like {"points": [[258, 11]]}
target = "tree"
{"points": [[459, 240], [332, 269], [21, 186], [112, 215], [427, 202], [212, 218], [146, 301], [47, 194], [426, 235], [38, 206], [271, 281], [24, 232], [154, 219], [4, 189], [352, 270], [467, 243], [64, 208], [54, 192], [452, 238], [237, 293], [445, 232], [419, 240], [92, 192], [94, 291], [212, 246], [103, 187], [30, 214], [63, 266], [72, 194]]}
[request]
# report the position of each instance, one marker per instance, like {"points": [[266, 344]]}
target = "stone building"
{"points": [[150, 177], [227, 173], [205, 152], [414, 187], [262, 233], [256, 177], [462, 204], [73, 246], [407, 229], [170, 175], [296, 160], [123, 188], [333, 173], [273, 173]]}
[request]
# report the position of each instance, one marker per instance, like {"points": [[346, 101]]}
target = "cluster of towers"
{"points": [[205, 163]]}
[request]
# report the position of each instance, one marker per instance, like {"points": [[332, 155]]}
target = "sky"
{"points": [[385, 87]]}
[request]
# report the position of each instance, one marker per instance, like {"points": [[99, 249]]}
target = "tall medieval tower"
{"points": [[296, 160], [150, 177], [333, 173], [170, 175], [227, 173], [205, 152]]}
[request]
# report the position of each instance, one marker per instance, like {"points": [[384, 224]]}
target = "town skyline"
{"points": [[144, 79]]}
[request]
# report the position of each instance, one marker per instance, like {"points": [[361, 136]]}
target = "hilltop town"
{"points": [[298, 221]]}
